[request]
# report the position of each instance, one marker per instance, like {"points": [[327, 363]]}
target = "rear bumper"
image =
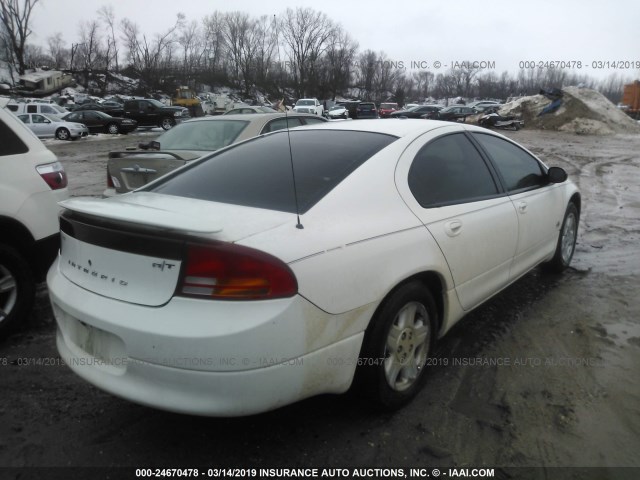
{"points": [[203, 357]]}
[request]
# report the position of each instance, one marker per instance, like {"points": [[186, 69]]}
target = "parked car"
{"points": [[482, 105], [129, 170], [50, 109], [302, 263], [113, 108], [416, 112], [45, 126], [454, 113], [100, 122], [309, 105], [250, 109], [351, 106], [149, 112], [32, 182], [387, 109], [337, 111], [366, 110]]}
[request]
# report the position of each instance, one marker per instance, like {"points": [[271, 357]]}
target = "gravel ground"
{"points": [[540, 376]]}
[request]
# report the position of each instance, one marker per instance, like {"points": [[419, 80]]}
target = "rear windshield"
{"points": [[258, 173], [203, 135], [388, 106]]}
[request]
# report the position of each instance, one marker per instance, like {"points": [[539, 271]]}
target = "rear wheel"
{"points": [[566, 241], [396, 347], [113, 128], [17, 288], [167, 123], [63, 134]]}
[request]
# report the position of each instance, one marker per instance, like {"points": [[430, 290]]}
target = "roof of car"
{"points": [[398, 127], [249, 118]]}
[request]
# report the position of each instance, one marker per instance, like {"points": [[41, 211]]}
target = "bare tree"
{"points": [[58, 54], [308, 34], [148, 58], [190, 39], [266, 38], [366, 70], [214, 45], [91, 55], [15, 16], [242, 39], [108, 17], [423, 81], [385, 77], [338, 62]]}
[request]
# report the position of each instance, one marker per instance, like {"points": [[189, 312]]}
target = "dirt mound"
{"points": [[583, 111]]}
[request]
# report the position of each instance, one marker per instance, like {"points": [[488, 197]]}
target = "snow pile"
{"points": [[583, 111]]}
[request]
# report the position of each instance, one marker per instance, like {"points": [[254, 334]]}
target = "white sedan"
{"points": [[226, 288]]}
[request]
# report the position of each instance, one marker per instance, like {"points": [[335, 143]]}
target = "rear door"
{"points": [[454, 192]]}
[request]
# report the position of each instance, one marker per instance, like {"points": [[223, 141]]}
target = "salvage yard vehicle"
{"points": [[416, 111], [149, 112], [300, 263], [45, 126], [100, 122], [131, 169], [248, 109], [309, 105], [32, 182], [454, 113], [337, 111], [492, 119], [387, 109], [366, 110]]}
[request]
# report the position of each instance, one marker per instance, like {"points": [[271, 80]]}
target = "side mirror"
{"points": [[153, 145], [557, 175]]}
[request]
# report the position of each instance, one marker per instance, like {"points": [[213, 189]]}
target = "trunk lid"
{"points": [[131, 247], [132, 170]]}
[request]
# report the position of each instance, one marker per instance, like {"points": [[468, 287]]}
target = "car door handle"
{"points": [[453, 228], [522, 207]]}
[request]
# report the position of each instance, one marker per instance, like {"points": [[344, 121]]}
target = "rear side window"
{"points": [[258, 173], [11, 143], [519, 170], [450, 170], [281, 123]]}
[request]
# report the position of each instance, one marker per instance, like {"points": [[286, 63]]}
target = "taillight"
{"points": [[109, 180], [226, 271], [53, 174]]}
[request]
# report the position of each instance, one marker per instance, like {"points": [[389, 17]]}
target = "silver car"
{"points": [[45, 126]]}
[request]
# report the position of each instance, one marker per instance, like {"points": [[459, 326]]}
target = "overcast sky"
{"points": [[504, 32]]}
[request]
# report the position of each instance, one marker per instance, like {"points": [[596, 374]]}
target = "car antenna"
{"points": [[286, 119]]}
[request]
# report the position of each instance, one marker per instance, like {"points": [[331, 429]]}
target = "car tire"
{"points": [[113, 129], [63, 134], [17, 288], [566, 241], [396, 347], [167, 123]]}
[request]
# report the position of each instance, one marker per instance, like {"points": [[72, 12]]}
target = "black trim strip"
{"points": [[121, 236]]}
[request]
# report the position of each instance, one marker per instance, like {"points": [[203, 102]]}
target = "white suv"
{"points": [[309, 105], [32, 182]]}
